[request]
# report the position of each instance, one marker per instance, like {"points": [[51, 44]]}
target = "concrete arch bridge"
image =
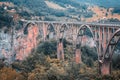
{"points": [[105, 36]]}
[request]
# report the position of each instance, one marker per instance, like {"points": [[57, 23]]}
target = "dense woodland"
{"points": [[43, 65], [39, 8]]}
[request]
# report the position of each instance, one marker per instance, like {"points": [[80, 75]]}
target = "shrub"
{"points": [[10, 74], [48, 48]]}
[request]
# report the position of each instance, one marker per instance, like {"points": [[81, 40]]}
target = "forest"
{"points": [[42, 64]]}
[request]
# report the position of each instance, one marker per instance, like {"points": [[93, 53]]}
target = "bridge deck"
{"points": [[116, 24]]}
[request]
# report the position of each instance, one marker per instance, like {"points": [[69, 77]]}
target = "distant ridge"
{"points": [[103, 3]]}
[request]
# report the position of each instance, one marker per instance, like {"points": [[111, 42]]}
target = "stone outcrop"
{"points": [[5, 45], [22, 46], [27, 42]]}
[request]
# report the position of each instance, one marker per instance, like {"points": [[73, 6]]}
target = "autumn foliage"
{"points": [[10, 74]]}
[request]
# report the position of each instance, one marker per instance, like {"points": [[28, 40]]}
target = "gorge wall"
{"points": [[22, 45], [17, 45]]}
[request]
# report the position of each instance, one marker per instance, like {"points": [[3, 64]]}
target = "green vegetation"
{"points": [[116, 10], [89, 55], [40, 66], [43, 65], [5, 18], [40, 8], [116, 59], [48, 48]]}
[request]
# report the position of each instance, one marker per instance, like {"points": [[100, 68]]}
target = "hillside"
{"points": [[66, 10], [102, 3], [48, 10]]}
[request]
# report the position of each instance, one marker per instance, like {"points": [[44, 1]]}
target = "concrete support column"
{"points": [[113, 30], [60, 51], [108, 34], [75, 32], [103, 32], [40, 32], [57, 31], [101, 39], [78, 56], [99, 42], [105, 68], [104, 38], [44, 31], [95, 33]]}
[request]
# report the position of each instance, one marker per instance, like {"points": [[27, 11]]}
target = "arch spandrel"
{"points": [[81, 31], [83, 27], [111, 45], [106, 60], [50, 27], [63, 30], [63, 27], [51, 32]]}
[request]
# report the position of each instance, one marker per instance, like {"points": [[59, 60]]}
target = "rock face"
{"points": [[17, 45], [22, 46], [26, 42], [88, 41], [5, 45]]}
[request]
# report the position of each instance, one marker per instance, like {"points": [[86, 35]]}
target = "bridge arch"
{"points": [[83, 32], [83, 27], [25, 31], [51, 32], [62, 30], [105, 63]]}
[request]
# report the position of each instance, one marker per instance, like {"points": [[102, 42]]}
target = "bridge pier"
{"points": [[105, 68], [78, 56], [60, 50]]}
